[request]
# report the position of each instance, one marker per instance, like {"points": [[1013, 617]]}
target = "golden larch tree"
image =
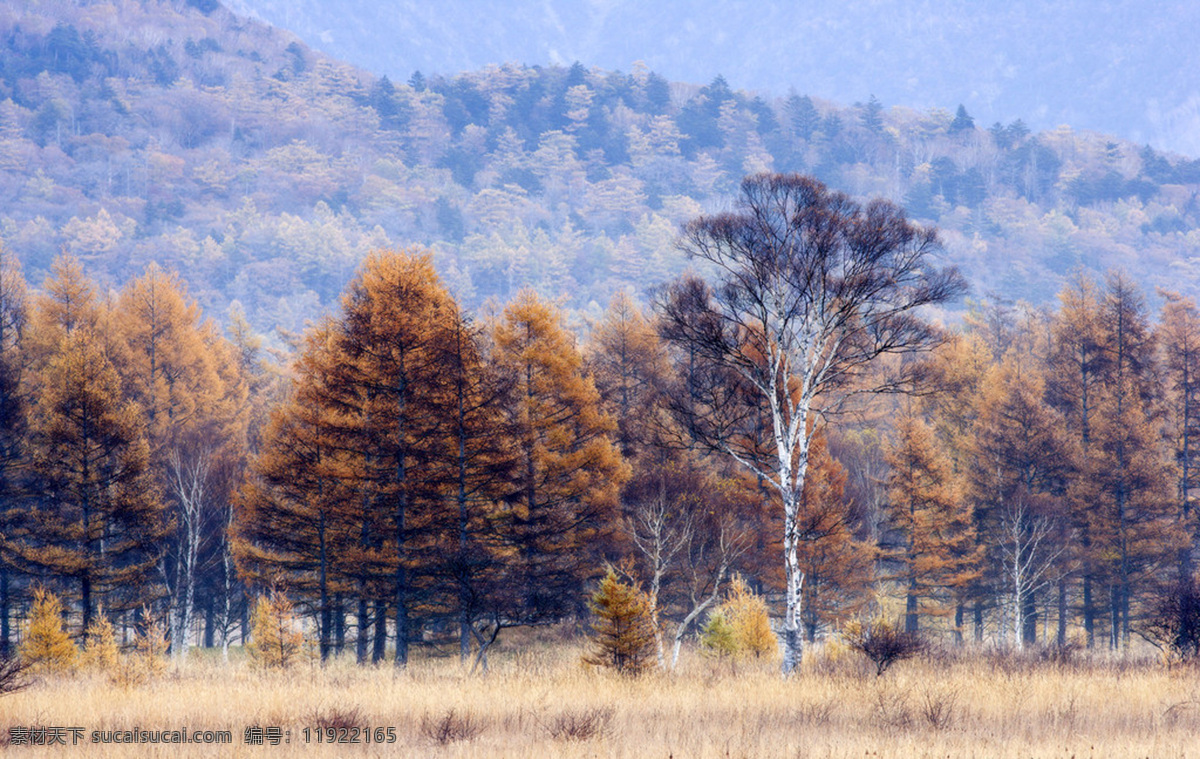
{"points": [[930, 543]]}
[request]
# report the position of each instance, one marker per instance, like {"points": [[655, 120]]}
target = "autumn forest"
{"points": [[424, 365]]}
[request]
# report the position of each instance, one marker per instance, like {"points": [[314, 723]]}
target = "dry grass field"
{"points": [[542, 702]]}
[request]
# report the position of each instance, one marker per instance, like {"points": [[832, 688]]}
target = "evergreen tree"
{"points": [[962, 121], [13, 314], [569, 470], [100, 520], [802, 116], [389, 380], [1078, 363], [47, 646], [872, 117], [623, 631], [1019, 465], [1179, 344], [296, 517], [931, 541], [274, 640]]}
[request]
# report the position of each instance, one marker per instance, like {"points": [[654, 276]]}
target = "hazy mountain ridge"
{"points": [[1119, 67], [263, 171]]}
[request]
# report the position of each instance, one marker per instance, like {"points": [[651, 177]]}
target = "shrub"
{"points": [[717, 635], [741, 625], [452, 727], [1174, 622], [580, 724], [100, 650], [47, 647], [148, 658], [883, 643], [623, 631], [12, 674], [274, 640]]}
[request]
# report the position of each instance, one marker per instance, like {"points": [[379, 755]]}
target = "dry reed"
{"points": [[544, 702]]}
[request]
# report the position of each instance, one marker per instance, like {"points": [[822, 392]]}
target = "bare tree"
{"points": [[688, 544], [188, 478], [1028, 554], [810, 288], [659, 532]]}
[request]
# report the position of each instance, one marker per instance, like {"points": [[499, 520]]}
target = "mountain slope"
{"points": [[1119, 66], [263, 171]]}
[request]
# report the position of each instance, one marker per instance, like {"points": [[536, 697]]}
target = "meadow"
{"points": [[540, 700]]}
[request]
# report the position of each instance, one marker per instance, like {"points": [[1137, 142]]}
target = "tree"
{"points": [[275, 641], [802, 115], [934, 544], [630, 367], [962, 121], [295, 511], [195, 416], [689, 525], [569, 469], [838, 566], [390, 382], [482, 465], [1019, 464], [872, 117], [1179, 342], [13, 424], [1078, 363], [623, 631], [741, 625], [100, 520], [1131, 518], [811, 288], [47, 646]]}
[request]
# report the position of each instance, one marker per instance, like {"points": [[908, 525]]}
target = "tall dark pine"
{"points": [[13, 307], [99, 520], [397, 320], [1179, 343]]}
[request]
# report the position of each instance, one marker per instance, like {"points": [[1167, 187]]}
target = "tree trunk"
{"points": [[1089, 612], [912, 622], [209, 622], [379, 651], [1061, 637], [339, 624], [362, 624], [793, 646], [4, 613], [324, 588], [1029, 618]]}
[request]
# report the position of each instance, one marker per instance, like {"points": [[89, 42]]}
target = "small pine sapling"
{"points": [[623, 630], [47, 647], [275, 642], [100, 651]]}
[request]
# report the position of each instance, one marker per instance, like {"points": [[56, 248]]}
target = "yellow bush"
{"points": [[100, 650], [148, 658], [741, 625], [274, 640], [47, 646]]}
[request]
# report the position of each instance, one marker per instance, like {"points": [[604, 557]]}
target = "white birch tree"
{"points": [[808, 288]]}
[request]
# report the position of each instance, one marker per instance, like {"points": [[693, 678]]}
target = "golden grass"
{"points": [[544, 703]]}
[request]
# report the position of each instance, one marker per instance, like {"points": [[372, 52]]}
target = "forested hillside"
{"points": [[1116, 67], [180, 133]]}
